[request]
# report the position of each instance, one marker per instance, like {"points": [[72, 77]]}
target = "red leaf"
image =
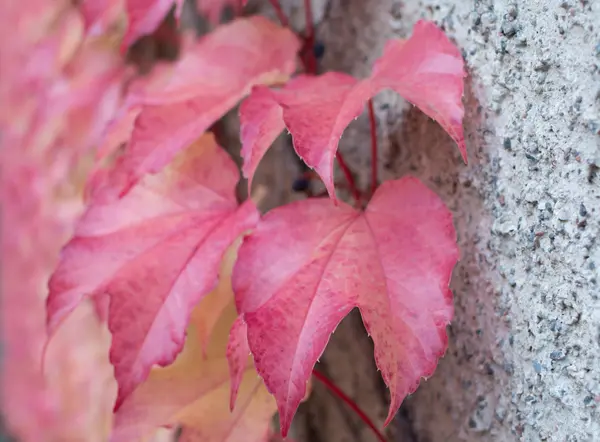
{"points": [[309, 263], [144, 17], [215, 74], [213, 8], [261, 122], [427, 70], [156, 252]]}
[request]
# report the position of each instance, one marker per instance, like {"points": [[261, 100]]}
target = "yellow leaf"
{"points": [[194, 391]]}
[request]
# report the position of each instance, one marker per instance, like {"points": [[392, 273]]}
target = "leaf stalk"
{"points": [[349, 177], [340, 394], [280, 14]]}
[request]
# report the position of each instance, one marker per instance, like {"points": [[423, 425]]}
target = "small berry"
{"points": [[301, 185], [319, 50]]}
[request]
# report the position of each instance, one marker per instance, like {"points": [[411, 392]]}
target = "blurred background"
{"points": [[61, 80]]}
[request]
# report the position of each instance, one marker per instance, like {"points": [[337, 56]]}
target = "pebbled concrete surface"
{"points": [[524, 358]]}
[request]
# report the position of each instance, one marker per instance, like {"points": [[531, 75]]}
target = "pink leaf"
{"points": [[309, 263], [99, 15], [144, 17], [219, 71], [117, 132], [213, 8], [427, 70], [237, 356], [156, 252], [193, 393], [316, 110], [120, 128], [261, 122]]}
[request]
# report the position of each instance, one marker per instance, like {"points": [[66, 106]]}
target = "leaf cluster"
{"points": [[174, 263]]}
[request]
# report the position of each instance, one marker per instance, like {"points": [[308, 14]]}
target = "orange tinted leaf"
{"points": [[206, 317], [156, 252], [194, 390], [117, 132]]}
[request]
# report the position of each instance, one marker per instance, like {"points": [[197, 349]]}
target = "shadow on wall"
{"points": [[474, 365]]}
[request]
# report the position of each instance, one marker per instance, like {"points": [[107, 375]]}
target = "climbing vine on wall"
{"points": [[201, 293]]}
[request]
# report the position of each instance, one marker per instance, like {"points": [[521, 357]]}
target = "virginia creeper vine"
{"points": [[280, 14], [165, 210]]}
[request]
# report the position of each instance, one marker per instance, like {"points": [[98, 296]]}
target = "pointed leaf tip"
{"points": [[427, 70], [315, 110]]}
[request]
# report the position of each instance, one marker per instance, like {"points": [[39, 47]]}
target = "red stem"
{"points": [[373, 147], [280, 14], [310, 38], [339, 393], [310, 29], [349, 177]]}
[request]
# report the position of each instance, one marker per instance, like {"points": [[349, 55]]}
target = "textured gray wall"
{"points": [[524, 356]]}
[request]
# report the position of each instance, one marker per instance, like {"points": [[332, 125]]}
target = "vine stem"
{"points": [[349, 177], [373, 147], [310, 37], [280, 14], [340, 394]]}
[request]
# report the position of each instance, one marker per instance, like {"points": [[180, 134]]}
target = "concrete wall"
{"points": [[524, 356]]}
